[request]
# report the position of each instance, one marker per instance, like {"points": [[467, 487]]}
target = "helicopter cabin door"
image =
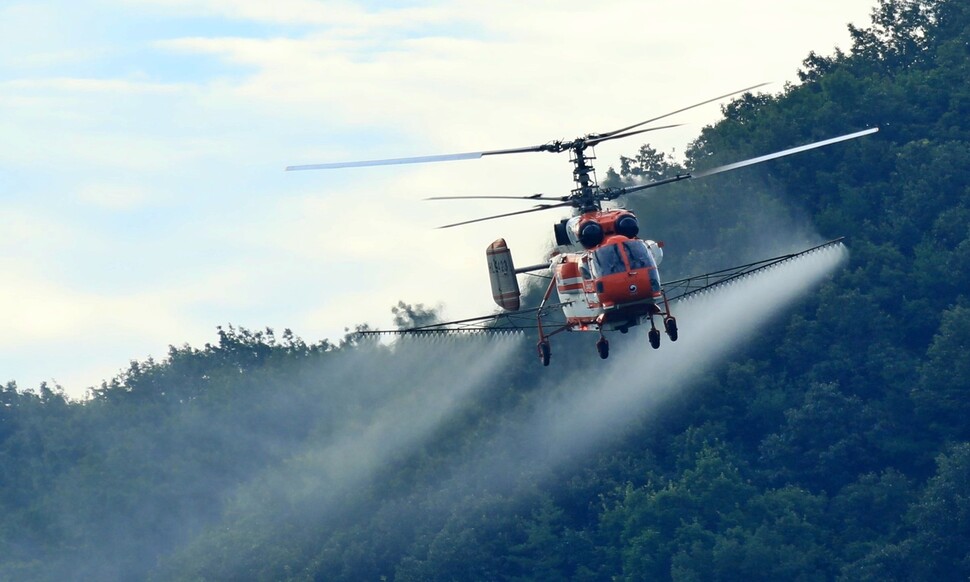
{"points": [[574, 286]]}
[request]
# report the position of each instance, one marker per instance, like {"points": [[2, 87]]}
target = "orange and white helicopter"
{"points": [[606, 277]]}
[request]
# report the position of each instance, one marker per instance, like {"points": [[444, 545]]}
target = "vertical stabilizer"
{"points": [[501, 273]]}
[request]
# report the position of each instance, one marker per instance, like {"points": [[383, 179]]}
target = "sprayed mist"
{"points": [[583, 411], [385, 404], [408, 392], [600, 401], [421, 385]]}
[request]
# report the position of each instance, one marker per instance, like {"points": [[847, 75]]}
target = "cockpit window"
{"points": [[609, 260], [640, 257]]}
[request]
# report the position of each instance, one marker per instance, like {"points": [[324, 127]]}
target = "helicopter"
{"points": [[605, 275]]}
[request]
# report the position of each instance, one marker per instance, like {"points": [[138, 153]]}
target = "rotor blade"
{"points": [[741, 164], [416, 159], [529, 197], [387, 162], [613, 194], [536, 209], [623, 129], [783, 153], [596, 140]]}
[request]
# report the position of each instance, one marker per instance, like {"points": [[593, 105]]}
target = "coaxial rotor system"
{"points": [[587, 196]]}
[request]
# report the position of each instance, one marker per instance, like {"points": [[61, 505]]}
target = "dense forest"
{"points": [[831, 444]]}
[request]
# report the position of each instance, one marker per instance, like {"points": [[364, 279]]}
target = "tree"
{"points": [[943, 393]]}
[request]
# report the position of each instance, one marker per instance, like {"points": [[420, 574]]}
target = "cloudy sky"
{"points": [[142, 195]]}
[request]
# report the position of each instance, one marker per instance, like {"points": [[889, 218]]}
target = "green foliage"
{"points": [[942, 394], [934, 543], [406, 316]]}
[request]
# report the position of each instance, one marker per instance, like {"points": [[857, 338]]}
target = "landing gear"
{"points": [[653, 335], [670, 326], [603, 347], [544, 352]]}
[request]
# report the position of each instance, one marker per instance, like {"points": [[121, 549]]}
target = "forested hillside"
{"points": [[833, 444]]}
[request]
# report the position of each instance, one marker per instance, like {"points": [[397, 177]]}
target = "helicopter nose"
{"points": [[620, 289]]}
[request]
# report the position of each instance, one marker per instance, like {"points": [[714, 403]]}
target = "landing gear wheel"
{"points": [[603, 347], [544, 352], [654, 336], [670, 326]]}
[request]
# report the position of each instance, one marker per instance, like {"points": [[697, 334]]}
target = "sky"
{"points": [[143, 200]]}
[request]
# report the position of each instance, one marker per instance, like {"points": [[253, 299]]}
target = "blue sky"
{"points": [[142, 197]]}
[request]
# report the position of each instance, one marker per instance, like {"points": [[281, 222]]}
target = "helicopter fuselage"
{"points": [[605, 276], [611, 286]]}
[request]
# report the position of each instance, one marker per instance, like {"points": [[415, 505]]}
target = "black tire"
{"points": [[654, 336], [603, 347], [545, 352], [670, 327]]}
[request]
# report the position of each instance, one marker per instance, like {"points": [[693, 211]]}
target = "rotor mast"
{"points": [[584, 175]]}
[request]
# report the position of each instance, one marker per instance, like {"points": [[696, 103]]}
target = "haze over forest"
{"points": [[810, 424]]}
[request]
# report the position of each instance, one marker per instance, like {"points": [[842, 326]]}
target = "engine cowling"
{"points": [[588, 231], [627, 226], [590, 234]]}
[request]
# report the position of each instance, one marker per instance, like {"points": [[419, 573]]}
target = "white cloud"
{"points": [[24, 229], [114, 196], [346, 16], [38, 306], [56, 330], [39, 34], [88, 85], [573, 68]]}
